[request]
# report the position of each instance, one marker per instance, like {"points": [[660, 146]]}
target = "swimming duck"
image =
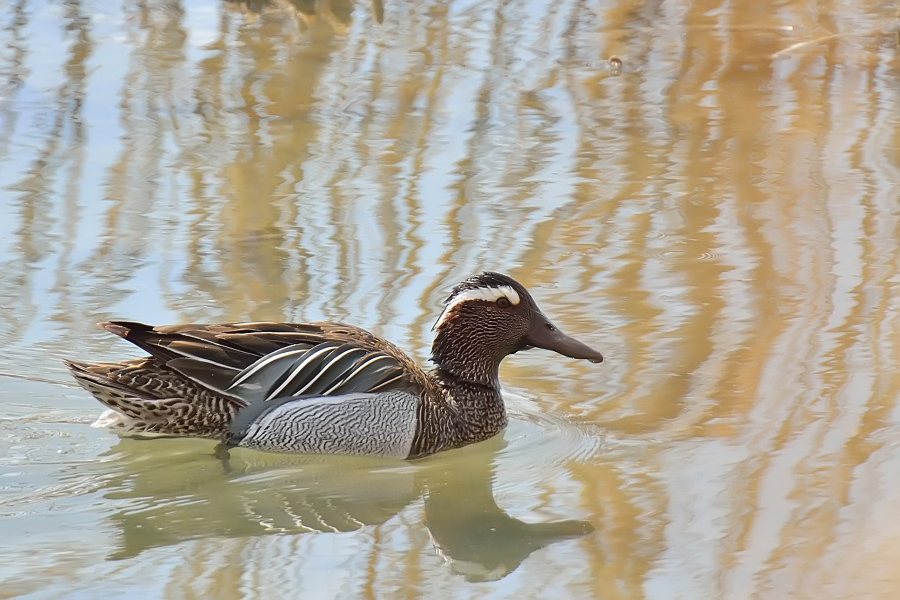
{"points": [[327, 388]]}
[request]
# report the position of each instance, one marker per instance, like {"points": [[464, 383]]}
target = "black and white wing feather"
{"points": [[329, 369], [263, 361]]}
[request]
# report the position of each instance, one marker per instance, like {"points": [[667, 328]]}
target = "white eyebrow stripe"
{"points": [[489, 294]]}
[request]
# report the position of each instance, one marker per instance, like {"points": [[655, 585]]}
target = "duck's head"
{"points": [[489, 316]]}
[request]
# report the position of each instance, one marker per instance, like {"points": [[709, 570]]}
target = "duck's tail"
{"points": [[146, 398]]}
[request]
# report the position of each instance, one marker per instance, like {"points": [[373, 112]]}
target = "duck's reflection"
{"points": [[476, 536], [183, 493]]}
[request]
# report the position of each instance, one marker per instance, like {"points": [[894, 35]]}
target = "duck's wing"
{"points": [[326, 369], [257, 362]]}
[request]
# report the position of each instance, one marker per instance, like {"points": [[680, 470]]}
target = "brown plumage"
{"points": [[153, 398], [258, 384]]}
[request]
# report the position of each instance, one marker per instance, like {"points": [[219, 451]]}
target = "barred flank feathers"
{"points": [[128, 390]]}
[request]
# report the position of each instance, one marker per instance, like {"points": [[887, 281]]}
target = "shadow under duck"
{"points": [[327, 388]]}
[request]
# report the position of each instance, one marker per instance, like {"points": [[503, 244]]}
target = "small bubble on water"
{"points": [[615, 65]]}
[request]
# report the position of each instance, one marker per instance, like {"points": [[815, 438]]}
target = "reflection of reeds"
{"points": [[891, 26], [723, 226], [336, 13], [43, 228]]}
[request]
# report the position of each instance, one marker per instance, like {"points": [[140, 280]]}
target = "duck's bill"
{"points": [[545, 335]]}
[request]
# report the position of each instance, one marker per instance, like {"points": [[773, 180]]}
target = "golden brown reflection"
{"points": [[718, 214], [336, 13]]}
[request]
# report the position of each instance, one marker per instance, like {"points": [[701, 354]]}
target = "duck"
{"points": [[327, 387]]}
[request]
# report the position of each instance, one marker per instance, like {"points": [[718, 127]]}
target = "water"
{"points": [[707, 193]]}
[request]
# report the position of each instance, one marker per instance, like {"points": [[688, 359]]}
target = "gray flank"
{"points": [[382, 424]]}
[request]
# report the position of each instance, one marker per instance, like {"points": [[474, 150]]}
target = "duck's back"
{"points": [[318, 387]]}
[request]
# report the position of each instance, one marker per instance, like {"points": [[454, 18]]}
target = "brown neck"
{"points": [[467, 357], [477, 410], [469, 408]]}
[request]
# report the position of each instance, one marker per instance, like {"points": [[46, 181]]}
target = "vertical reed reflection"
{"points": [[721, 219], [45, 200]]}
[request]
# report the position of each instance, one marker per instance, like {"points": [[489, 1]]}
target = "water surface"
{"points": [[707, 192]]}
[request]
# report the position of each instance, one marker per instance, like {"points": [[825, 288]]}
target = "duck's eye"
{"points": [[503, 302]]}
